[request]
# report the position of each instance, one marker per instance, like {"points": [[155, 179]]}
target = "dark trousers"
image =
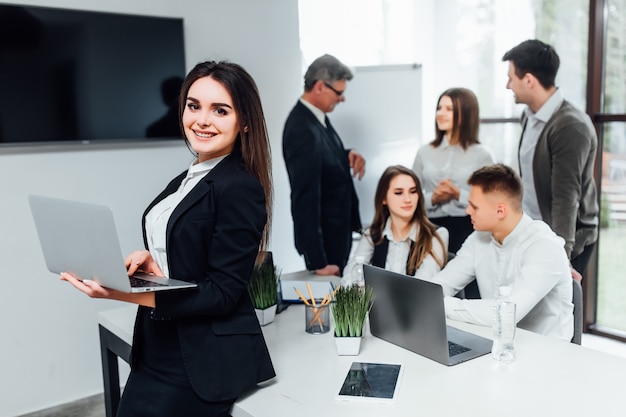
{"points": [[459, 228], [151, 395], [580, 262]]}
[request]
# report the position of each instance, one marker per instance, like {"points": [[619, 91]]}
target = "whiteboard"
{"points": [[381, 119]]}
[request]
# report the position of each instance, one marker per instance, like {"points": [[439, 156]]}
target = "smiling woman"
{"points": [[445, 164], [210, 122], [195, 351]]}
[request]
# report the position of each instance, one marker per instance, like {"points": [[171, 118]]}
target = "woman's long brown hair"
{"points": [[466, 119], [253, 138], [427, 230]]}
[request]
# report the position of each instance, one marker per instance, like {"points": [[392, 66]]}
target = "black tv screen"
{"points": [[79, 76]]}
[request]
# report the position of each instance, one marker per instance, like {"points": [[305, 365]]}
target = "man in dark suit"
{"points": [[557, 152], [324, 204]]}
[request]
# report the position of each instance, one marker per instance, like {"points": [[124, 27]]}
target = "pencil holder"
{"points": [[316, 318]]}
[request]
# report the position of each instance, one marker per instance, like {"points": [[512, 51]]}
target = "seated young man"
{"points": [[509, 248]]}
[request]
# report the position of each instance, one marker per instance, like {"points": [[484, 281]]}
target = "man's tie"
{"points": [[333, 134]]}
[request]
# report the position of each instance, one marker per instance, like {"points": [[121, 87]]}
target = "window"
{"points": [[611, 262], [615, 58], [611, 288]]}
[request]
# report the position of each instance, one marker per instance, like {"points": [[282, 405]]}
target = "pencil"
{"points": [[325, 300], [308, 287], [304, 300]]}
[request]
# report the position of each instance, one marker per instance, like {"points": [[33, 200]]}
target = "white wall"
{"points": [[50, 349], [379, 131]]}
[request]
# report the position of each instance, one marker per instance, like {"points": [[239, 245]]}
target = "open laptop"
{"points": [[81, 238], [409, 312]]}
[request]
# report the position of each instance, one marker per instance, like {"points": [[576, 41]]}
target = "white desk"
{"points": [[549, 377]]}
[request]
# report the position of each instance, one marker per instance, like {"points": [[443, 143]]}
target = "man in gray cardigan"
{"points": [[556, 153]]}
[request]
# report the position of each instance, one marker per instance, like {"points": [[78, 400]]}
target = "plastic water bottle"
{"points": [[503, 349], [357, 272]]}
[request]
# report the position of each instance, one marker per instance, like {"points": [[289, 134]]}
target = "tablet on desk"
{"points": [[372, 382]]}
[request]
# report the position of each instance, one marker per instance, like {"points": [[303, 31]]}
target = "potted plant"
{"points": [[349, 310], [263, 289]]}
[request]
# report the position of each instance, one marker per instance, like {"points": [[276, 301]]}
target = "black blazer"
{"points": [[324, 205], [213, 238]]}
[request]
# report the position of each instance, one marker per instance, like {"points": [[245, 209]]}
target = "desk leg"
{"points": [[112, 347]]}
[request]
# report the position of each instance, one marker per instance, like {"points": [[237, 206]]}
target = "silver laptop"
{"points": [[81, 238], [409, 312]]}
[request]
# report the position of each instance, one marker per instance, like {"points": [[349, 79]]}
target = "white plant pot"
{"points": [[348, 346], [266, 316]]}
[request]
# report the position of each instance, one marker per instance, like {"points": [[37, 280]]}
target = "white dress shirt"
{"points": [[319, 114], [534, 126], [435, 164], [397, 253], [531, 260], [158, 217]]}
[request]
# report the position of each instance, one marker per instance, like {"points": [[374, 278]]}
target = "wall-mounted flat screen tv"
{"points": [[73, 76]]}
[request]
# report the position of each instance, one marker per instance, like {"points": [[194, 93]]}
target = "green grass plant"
{"points": [[350, 309], [263, 286]]}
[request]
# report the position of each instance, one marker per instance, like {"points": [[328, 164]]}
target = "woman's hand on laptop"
{"points": [[95, 290], [141, 260], [89, 287]]}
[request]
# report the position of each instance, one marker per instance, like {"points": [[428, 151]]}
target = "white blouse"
{"points": [[397, 254], [158, 217], [434, 164]]}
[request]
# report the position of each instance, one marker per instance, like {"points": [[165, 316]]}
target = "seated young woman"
{"points": [[401, 238]]}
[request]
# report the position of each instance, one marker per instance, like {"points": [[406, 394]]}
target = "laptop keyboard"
{"points": [[456, 349], [138, 283]]}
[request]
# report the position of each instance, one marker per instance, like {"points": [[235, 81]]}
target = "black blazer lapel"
{"points": [[204, 187], [328, 132]]}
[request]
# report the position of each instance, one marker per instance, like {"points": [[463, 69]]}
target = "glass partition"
{"points": [[612, 240], [615, 58], [503, 140]]}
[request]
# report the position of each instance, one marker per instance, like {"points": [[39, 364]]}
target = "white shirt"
{"points": [[531, 260], [534, 126], [397, 253], [434, 164], [319, 115], [158, 217]]}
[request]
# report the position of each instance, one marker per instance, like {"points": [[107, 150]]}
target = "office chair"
{"points": [[577, 299]]}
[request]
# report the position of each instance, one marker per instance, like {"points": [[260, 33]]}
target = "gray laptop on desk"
{"points": [[81, 238], [409, 312]]}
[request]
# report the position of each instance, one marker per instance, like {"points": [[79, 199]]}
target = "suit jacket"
{"points": [[324, 205], [563, 167], [213, 238]]}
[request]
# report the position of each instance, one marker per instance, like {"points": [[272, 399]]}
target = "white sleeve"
{"points": [[463, 200], [469, 311], [418, 168], [365, 248], [460, 271], [540, 269]]}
